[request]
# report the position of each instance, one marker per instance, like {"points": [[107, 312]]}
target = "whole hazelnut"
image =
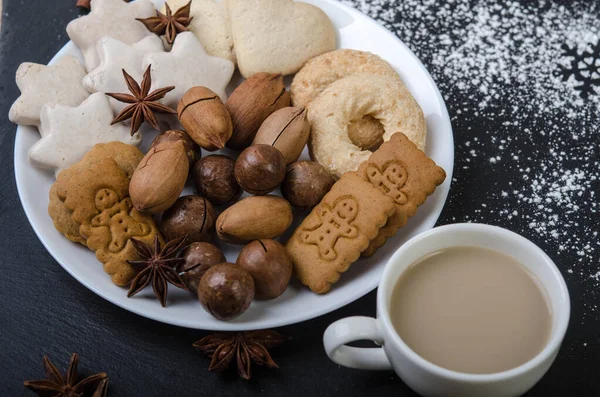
{"points": [[269, 266], [226, 291], [198, 258], [260, 169], [214, 179], [193, 216], [192, 150], [306, 183]]}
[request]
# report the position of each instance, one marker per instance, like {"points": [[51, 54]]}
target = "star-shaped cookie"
{"points": [[187, 66], [68, 133], [113, 18], [114, 57], [41, 84]]}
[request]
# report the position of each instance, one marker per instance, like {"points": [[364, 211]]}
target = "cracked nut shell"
{"points": [[191, 149], [198, 258], [205, 118], [190, 216], [251, 103], [287, 130], [269, 266], [159, 178]]}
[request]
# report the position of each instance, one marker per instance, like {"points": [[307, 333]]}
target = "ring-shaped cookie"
{"points": [[352, 98], [321, 71]]}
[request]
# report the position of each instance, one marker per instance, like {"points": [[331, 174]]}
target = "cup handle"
{"points": [[352, 329]]}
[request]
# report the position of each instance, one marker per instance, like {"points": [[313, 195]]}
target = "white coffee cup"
{"points": [[422, 376]]}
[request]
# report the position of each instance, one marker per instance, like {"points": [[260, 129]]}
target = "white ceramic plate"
{"points": [[297, 304]]}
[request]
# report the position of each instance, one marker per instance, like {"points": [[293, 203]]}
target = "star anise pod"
{"points": [[55, 385], [157, 266], [169, 25], [245, 346], [143, 104]]}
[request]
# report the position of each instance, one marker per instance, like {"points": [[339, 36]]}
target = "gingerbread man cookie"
{"points": [[114, 220], [333, 223], [390, 179], [108, 233], [337, 230], [95, 192], [40, 84], [112, 18], [403, 172], [127, 158]]}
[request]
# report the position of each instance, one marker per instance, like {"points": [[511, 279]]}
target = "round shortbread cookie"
{"points": [[321, 71], [350, 99]]}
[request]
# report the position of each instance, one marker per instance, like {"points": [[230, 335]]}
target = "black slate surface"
{"points": [[43, 310]]}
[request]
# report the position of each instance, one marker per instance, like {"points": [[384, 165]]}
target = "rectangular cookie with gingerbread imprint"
{"points": [[337, 230], [404, 173]]}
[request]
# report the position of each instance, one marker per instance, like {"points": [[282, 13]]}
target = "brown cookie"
{"points": [[61, 217], [337, 230], [126, 156], [405, 174], [95, 192]]}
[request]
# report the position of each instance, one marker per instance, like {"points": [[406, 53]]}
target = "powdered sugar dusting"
{"points": [[527, 139]]}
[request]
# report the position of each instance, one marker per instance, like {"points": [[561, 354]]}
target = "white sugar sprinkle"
{"points": [[499, 65]]}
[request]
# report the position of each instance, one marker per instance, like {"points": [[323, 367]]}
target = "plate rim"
{"points": [[273, 322]]}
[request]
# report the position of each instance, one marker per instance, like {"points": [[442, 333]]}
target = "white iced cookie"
{"points": [[112, 18], [68, 133], [187, 65], [352, 98], [277, 36], [41, 84], [210, 25], [114, 57]]}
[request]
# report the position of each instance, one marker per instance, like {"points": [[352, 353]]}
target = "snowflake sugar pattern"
{"points": [[584, 67]]}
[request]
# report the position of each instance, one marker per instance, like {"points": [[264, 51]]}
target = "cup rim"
{"points": [[546, 353]]}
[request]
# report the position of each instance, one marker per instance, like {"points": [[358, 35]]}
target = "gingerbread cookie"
{"points": [[40, 84], [278, 36], [95, 192], [211, 26], [61, 216], [187, 65], [126, 156], [405, 174], [112, 18], [349, 99], [337, 230], [68, 133]]}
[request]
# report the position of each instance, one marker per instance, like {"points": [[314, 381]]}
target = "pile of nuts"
{"points": [[258, 121]]}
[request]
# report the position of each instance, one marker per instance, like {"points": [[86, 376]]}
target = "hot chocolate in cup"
{"points": [[442, 374]]}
